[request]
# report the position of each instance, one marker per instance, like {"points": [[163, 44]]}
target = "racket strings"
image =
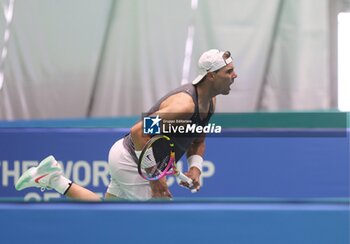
{"points": [[162, 155], [161, 166]]}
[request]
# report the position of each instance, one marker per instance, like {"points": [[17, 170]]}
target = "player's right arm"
{"points": [[177, 106]]}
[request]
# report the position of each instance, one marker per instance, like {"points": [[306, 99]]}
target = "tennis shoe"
{"points": [[41, 175]]}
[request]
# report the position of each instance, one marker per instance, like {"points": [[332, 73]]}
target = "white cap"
{"points": [[210, 61]]}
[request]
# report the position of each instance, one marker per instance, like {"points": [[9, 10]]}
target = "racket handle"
{"points": [[188, 180], [184, 178]]}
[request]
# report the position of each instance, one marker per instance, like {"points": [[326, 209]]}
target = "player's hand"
{"points": [[160, 189], [194, 173]]}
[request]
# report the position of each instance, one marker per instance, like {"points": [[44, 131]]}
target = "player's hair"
{"points": [[226, 55]]}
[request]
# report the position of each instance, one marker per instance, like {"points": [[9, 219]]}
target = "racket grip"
{"points": [[184, 178], [188, 180]]}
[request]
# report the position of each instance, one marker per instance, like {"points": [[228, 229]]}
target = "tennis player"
{"points": [[193, 102]]}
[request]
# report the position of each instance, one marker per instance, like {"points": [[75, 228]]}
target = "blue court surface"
{"points": [[200, 221]]}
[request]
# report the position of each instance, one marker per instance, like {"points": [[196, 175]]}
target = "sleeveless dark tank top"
{"points": [[181, 143]]}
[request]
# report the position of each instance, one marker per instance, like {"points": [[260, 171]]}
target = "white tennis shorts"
{"points": [[126, 183]]}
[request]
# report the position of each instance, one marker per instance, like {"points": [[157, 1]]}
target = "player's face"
{"points": [[224, 78]]}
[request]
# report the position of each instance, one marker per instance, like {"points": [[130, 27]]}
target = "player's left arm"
{"points": [[195, 155], [195, 160]]}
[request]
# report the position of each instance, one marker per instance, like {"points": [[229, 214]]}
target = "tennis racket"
{"points": [[157, 160]]}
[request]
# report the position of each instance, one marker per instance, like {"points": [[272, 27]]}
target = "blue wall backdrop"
{"points": [[269, 178], [264, 162]]}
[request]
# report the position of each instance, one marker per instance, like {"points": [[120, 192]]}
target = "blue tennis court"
{"points": [[205, 221]]}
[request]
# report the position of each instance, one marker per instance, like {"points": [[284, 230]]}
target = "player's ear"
{"points": [[211, 75]]}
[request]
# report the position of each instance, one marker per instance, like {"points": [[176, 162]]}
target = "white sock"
{"points": [[60, 184]]}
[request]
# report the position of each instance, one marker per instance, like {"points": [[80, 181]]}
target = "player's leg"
{"points": [[78, 192], [49, 175], [125, 183]]}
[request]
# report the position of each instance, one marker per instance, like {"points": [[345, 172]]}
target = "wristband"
{"points": [[195, 161]]}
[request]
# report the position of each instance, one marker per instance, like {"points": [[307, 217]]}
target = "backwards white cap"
{"points": [[210, 61]]}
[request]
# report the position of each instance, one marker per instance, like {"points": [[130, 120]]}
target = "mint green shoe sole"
{"points": [[44, 167]]}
